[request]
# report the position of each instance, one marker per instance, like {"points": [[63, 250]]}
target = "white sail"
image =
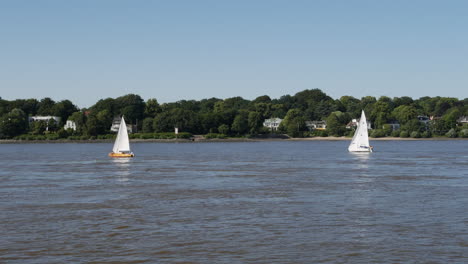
{"points": [[360, 141], [122, 143]]}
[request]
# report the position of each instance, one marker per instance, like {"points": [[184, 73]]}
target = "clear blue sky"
{"points": [[172, 50]]}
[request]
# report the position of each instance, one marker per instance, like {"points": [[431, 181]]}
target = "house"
{"points": [[394, 125], [316, 125], [70, 125], [44, 118], [272, 123], [116, 124], [463, 120], [354, 123], [424, 119]]}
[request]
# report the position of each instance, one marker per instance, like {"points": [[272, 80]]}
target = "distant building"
{"points": [[463, 120], [394, 125], [424, 119], [316, 125], [70, 125], [354, 124], [116, 124], [272, 123], [44, 118]]}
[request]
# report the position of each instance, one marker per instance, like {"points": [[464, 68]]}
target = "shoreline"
{"points": [[203, 140]]}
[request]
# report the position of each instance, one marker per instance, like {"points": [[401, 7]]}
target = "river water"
{"points": [[255, 202]]}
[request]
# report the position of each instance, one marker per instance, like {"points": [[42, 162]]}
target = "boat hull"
{"points": [[121, 155], [361, 149]]}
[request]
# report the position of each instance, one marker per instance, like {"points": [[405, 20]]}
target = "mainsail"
{"points": [[360, 141], [122, 143]]}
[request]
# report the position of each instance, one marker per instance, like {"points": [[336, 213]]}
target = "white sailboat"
{"points": [[121, 147], [360, 141]]}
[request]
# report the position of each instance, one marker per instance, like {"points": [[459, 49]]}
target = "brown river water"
{"points": [[255, 202]]}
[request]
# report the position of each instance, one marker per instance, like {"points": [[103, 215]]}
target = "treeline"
{"points": [[236, 116]]}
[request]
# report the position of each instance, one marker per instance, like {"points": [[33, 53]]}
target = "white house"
{"points": [[354, 123], [116, 124], [272, 123], [44, 118], [463, 120], [70, 125], [316, 125]]}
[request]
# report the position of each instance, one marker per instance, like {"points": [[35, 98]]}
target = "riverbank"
{"points": [[204, 140]]}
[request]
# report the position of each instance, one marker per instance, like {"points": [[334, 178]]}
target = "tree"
{"points": [[451, 117], [240, 124], [185, 120], [335, 126], [223, 129], [255, 122], [293, 123], [308, 98], [38, 127], [131, 106], [147, 126], [99, 123], [381, 113], [405, 100], [46, 107], [80, 121], [152, 108], [352, 105], [444, 104], [13, 124], [262, 99], [404, 113], [105, 104], [64, 109]]}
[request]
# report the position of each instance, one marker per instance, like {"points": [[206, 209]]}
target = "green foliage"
{"points": [[294, 123], [64, 109], [240, 124], [255, 122], [14, 123], [404, 134], [452, 133], [46, 107], [439, 127], [148, 125], [450, 118], [387, 129], [215, 135], [233, 116], [381, 112], [414, 125], [184, 120], [223, 129], [79, 119], [415, 134], [404, 113], [351, 105], [426, 134], [152, 108], [395, 133], [335, 124], [131, 106], [463, 133], [376, 133]]}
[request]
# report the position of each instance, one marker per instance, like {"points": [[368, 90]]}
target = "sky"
{"points": [[183, 49]]}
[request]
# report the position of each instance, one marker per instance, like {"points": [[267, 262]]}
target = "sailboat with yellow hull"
{"points": [[121, 147]]}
